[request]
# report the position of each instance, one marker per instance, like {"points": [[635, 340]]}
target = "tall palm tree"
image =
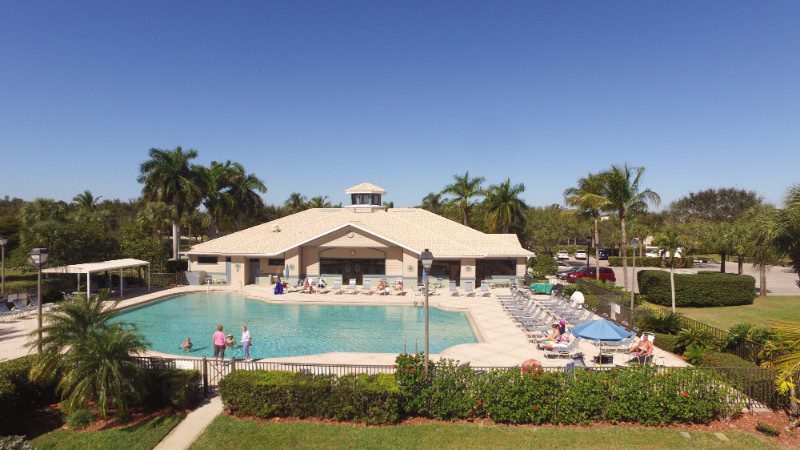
{"points": [[91, 356], [639, 232], [170, 177], [86, 199], [244, 192], [625, 196], [433, 203], [504, 205], [463, 190], [156, 215], [217, 199], [587, 195], [671, 241], [319, 202], [761, 246], [789, 227], [296, 202]]}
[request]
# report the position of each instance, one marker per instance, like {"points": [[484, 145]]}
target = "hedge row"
{"points": [[706, 289], [648, 261], [19, 395], [371, 399], [456, 392], [180, 389]]}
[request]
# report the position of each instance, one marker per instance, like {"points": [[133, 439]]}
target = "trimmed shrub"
{"points": [[665, 322], [668, 342], [767, 429], [175, 266], [639, 394], [19, 394], [80, 419], [697, 290], [180, 389], [649, 261], [719, 359], [543, 265], [371, 399]]}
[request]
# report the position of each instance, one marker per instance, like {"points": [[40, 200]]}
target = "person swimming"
{"points": [[230, 341], [187, 345]]}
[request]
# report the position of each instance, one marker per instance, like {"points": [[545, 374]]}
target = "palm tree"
{"points": [[761, 243], [244, 192], [504, 206], [671, 242], [789, 227], [588, 197], [91, 356], [296, 202], [217, 199], [639, 232], [157, 215], [433, 203], [195, 222], [625, 196], [786, 339], [388, 205], [41, 210], [169, 176], [86, 199], [464, 189], [319, 202]]}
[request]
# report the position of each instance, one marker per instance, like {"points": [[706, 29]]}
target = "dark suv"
{"points": [[603, 255], [606, 274]]}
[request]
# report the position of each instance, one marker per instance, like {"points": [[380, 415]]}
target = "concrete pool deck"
{"points": [[501, 342]]}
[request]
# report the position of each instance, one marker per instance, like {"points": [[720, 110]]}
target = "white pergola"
{"points": [[102, 266]]}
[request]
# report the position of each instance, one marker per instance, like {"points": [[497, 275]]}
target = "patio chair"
{"points": [[485, 289], [453, 290], [23, 307], [5, 312], [620, 346], [564, 352], [337, 287], [367, 289], [469, 290], [351, 288]]}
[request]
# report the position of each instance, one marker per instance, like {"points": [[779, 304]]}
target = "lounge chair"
{"points": [[563, 352], [453, 290], [469, 290], [485, 289], [351, 288], [367, 289], [337, 287], [401, 291], [5, 312], [23, 307]]}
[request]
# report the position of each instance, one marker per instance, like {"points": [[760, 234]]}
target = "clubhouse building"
{"points": [[364, 241]]}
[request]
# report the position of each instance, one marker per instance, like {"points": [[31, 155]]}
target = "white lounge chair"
{"points": [[453, 290], [337, 287], [367, 289], [485, 289], [469, 291], [351, 288]]}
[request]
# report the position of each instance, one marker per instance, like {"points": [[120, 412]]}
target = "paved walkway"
{"points": [[182, 436]]}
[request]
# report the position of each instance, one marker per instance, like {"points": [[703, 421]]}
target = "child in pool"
{"points": [[187, 345], [230, 341]]}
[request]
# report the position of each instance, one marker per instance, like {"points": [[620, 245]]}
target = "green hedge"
{"points": [[707, 289], [648, 261], [180, 389], [371, 399], [638, 394], [667, 342], [19, 395]]}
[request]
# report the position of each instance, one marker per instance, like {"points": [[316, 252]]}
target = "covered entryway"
{"points": [[352, 268]]}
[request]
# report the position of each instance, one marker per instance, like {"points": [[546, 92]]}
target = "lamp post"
{"points": [[39, 257], [427, 261], [589, 252], [634, 245], [3, 242]]}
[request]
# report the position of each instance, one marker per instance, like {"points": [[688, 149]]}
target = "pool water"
{"points": [[293, 329]]}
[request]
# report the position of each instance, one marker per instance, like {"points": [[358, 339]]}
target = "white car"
{"points": [[562, 254], [581, 254]]}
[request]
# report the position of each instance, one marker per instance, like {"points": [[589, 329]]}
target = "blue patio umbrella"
{"points": [[601, 330]]}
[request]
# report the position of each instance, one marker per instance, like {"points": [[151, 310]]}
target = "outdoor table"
{"points": [[541, 288]]}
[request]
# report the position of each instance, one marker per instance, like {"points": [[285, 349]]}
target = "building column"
{"points": [[468, 270], [292, 261], [410, 270]]}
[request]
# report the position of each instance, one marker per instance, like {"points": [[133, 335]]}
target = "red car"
{"points": [[606, 274]]}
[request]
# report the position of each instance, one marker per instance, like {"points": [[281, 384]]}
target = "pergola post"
{"points": [[148, 277], [121, 284], [88, 284], [78, 287]]}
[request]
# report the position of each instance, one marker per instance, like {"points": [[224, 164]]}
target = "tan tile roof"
{"points": [[412, 228], [365, 188]]}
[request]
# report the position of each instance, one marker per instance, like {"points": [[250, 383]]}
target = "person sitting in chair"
{"points": [[643, 348]]}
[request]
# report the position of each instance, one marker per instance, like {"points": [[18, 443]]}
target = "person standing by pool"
{"points": [[246, 341], [219, 343]]}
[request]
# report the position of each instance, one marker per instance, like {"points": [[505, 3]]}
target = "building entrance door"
{"points": [[352, 271]]}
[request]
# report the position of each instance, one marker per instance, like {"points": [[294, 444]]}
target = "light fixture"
{"points": [[39, 258], [634, 243], [427, 259]]}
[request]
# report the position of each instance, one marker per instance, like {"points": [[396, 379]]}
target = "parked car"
{"points": [[603, 254], [564, 272], [562, 254], [606, 274], [581, 254]]}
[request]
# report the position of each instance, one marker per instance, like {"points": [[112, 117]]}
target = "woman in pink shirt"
{"points": [[219, 343]]}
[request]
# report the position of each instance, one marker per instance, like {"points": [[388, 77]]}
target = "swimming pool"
{"points": [[291, 329]]}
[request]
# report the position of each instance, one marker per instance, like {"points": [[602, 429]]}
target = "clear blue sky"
{"points": [[317, 96]]}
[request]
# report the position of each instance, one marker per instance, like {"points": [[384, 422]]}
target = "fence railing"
{"points": [[754, 386]]}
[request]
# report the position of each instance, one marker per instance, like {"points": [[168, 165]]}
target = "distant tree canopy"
{"points": [[715, 205]]}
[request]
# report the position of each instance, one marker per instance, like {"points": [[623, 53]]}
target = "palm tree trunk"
{"points": [[724, 256], [596, 248], [672, 283], [239, 221], [623, 249], [762, 282], [176, 239], [740, 261]]}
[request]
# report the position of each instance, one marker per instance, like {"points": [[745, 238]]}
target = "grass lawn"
{"points": [[231, 433], [143, 435], [16, 280], [764, 311]]}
